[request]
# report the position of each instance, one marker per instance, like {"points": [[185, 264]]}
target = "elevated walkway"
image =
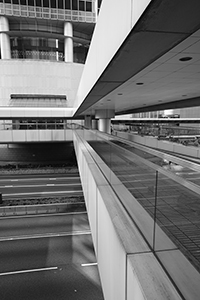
{"points": [[144, 220]]}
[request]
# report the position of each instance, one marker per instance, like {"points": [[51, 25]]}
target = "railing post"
{"points": [[155, 211]]}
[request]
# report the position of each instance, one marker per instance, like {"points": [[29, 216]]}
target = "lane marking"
{"points": [[89, 264], [40, 185], [38, 178], [28, 271], [47, 235]]}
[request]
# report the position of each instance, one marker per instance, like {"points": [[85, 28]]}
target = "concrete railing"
{"points": [[127, 265], [48, 135], [153, 142]]}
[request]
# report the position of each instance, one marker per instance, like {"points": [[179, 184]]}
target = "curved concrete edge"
{"points": [[144, 270], [128, 269]]}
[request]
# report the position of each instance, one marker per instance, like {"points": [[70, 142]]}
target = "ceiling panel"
{"points": [[165, 79]]}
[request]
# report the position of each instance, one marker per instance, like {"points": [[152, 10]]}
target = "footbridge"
{"points": [[143, 219]]}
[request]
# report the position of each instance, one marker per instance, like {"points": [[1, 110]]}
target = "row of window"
{"points": [[40, 124], [36, 26], [81, 5], [26, 43], [45, 48]]}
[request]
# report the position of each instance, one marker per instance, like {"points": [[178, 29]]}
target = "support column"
{"points": [[104, 116], [94, 124], [4, 38], [88, 122], [104, 125], [68, 33]]}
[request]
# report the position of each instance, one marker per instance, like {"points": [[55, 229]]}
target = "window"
{"points": [[15, 1], [74, 5], [23, 2], [60, 4], [45, 3], [82, 5], [67, 4], [31, 2], [38, 3], [53, 3], [51, 43], [88, 6], [34, 42]]}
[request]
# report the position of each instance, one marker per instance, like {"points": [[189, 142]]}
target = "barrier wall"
{"points": [[159, 144], [16, 136], [128, 268]]}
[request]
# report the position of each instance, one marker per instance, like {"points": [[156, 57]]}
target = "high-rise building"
{"points": [[44, 44]]}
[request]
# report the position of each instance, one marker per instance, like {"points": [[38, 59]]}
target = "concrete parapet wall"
{"points": [[128, 268], [159, 144], [16, 136]]}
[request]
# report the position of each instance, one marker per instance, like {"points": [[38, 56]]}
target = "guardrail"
{"points": [[24, 210]]}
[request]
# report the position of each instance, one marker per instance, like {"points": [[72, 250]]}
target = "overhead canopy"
{"points": [[144, 55]]}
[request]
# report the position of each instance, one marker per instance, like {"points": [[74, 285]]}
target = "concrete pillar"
{"points": [[88, 122], [95, 8], [68, 33], [4, 38], [104, 116], [104, 125], [94, 124]]}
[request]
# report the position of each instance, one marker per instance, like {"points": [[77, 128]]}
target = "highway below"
{"points": [[40, 185], [48, 257]]}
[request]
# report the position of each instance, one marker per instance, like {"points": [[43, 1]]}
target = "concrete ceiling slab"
{"points": [[144, 68]]}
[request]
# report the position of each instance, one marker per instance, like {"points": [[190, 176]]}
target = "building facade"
{"points": [[43, 48]]}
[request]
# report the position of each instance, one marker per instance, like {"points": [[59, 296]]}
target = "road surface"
{"points": [[48, 257], [41, 185]]}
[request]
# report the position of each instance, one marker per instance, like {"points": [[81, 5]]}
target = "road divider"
{"points": [[23, 210]]}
